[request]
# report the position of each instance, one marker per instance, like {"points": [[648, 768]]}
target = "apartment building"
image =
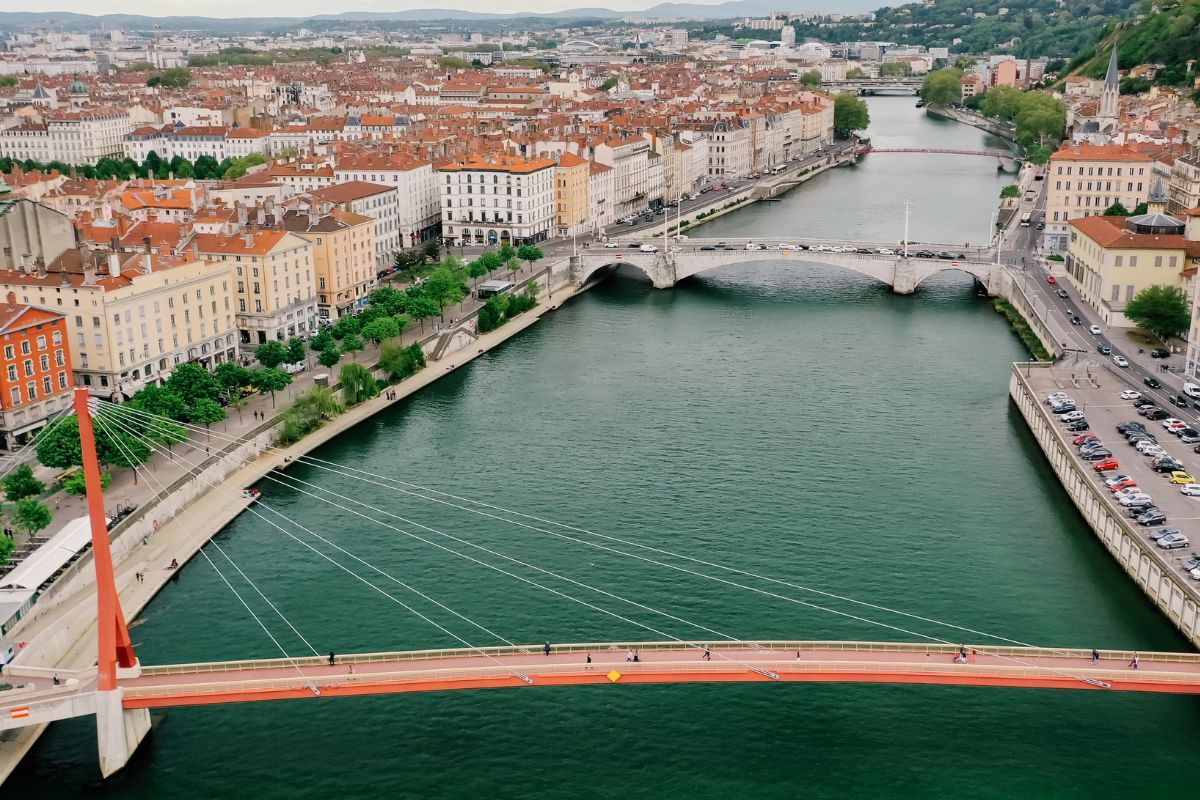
{"points": [[630, 159], [1084, 180], [35, 370], [70, 136], [571, 195], [600, 197], [1110, 259], [1184, 191], [418, 201], [343, 255], [275, 281], [380, 203], [503, 199]]}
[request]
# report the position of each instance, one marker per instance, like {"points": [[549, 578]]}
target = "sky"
{"points": [[304, 8]]}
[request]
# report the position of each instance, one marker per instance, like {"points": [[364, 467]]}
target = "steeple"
{"points": [[1112, 89], [1156, 203]]}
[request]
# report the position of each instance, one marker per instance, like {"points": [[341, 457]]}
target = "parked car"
{"points": [[1119, 360], [1105, 464], [1158, 533], [1080, 424], [1189, 435], [1130, 394], [1180, 478], [1153, 383], [1174, 541], [1191, 564], [1136, 512], [1096, 455], [1158, 352], [1070, 416], [1127, 427], [1135, 499], [1118, 482], [1152, 517], [1190, 489], [1084, 439], [1156, 414], [1167, 465]]}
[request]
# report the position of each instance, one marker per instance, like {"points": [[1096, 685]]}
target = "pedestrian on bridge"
{"points": [[1134, 663], [332, 658], [546, 649], [1095, 656]]}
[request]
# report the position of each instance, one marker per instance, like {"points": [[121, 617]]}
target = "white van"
{"points": [[1191, 390]]}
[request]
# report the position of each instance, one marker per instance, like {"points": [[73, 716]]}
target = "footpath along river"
{"points": [[791, 419]]}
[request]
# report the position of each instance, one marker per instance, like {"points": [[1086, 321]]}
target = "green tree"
{"points": [[1162, 310], [176, 78], [232, 377], [452, 62], [76, 484], [528, 252], [431, 250], [8, 80], [609, 84], [205, 412], [1117, 209], [849, 114], [160, 401], [192, 381], [505, 253], [123, 449], [399, 361], [358, 384], [7, 546], [59, 447], [897, 69], [514, 266], [20, 483], [852, 74], [31, 516], [345, 326], [329, 356], [323, 340], [421, 308], [1139, 209], [271, 354], [942, 87], [812, 78], [353, 344], [380, 329], [1010, 191], [270, 380], [296, 351]]}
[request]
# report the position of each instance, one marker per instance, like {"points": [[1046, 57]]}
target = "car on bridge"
{"points": [[1063, 293], [1174, 541], [1104, 349], [1153, 383], [648, 248], [1153, 516], [1157, 534], [924, 254], [1120, 361]]}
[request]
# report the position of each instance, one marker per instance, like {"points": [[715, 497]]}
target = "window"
{"points": [[28, 364], [1158, 261], [62, 379], [1119, 261], [25, 347], [31, 391], [16, 396], [41, 342], [1116, 293], [12, 372], [57, 338], [1133, 261], [44, 362], [47, 386]]}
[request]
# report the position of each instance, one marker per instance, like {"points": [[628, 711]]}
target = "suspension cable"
{"points": [[194, 469], [21, 456]]}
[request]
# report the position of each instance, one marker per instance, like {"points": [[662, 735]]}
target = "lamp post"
{"points": [[907, 211]]}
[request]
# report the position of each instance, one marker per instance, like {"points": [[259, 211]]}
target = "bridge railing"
{"points": [[675, 668], [620, 647]]}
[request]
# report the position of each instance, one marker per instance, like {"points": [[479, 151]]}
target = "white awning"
{"points": [[50, 557]]}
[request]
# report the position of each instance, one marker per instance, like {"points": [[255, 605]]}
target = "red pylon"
{"points": [[114, 646]]}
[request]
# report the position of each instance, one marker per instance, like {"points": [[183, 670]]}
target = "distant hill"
{"points": [[1170, 37]]}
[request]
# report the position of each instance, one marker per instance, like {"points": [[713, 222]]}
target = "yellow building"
{"points": [[571, 194], [1083, 180], [1111, 259], [276, 288], [343, 251], [133, 317]]}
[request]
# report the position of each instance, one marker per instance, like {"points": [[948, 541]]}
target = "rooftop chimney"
{"points": [[261, 216], [248, 236], [11, 298], [114, 264]]}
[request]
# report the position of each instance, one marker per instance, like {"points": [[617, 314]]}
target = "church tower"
{"points": [[1110, 92]]}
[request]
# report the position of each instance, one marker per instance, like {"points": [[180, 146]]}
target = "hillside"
{"points": [[1028, 28], [1169, 36]]}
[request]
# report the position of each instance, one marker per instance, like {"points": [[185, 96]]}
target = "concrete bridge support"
{"points": [[904, 278], [118, 731]]}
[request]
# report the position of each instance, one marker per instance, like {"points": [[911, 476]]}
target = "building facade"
{"points": [[35, 370], [492, 201], [1084, 180]]}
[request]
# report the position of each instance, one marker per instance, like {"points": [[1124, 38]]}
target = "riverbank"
{"points": [[63, 636], [1004, 130]]}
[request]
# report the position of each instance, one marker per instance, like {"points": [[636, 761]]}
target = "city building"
{"points": [[69, 136], [35, 370], [498, 200], [1084, 180], [343, 255], [380, 203], [571, 194]]}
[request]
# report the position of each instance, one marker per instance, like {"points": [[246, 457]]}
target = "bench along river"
{"points": [[788, 418]]}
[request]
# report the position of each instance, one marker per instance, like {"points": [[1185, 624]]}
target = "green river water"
{"points": [[791, 419]]}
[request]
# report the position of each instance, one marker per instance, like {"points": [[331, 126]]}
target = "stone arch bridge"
{"points": [[884, 262]]}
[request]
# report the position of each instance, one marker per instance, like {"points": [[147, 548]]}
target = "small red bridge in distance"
{"points": [[984, 153]]}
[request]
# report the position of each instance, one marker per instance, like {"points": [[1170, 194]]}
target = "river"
{"points": [[791, 419]]}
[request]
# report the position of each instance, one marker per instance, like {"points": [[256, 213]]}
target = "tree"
{"points": [[7, 546], [1162, 310], [942, 87], [329, 356], [528, 252], [421, 308], [1010, 191], [175, 78], [431, 250], [296, 351], [205, 412], [271, 354], [31, 516], [352, 344], [159, 401], [895, 69], [1117, 209], [192, 381], [505, 252], [609, 84], [59, 447], [854, 73], [21, 483], [345, 326], [322, 341], [399, 361], [514, 265], [270, 380], [452, 62], [849, 114], [232, 377], [1140, 209], [123, 449], [76, 484], [358, 384], [812, 78], [383, 328]]}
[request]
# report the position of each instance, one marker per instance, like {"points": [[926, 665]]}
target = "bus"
{"points": [[492, 287], [1025, 218]]}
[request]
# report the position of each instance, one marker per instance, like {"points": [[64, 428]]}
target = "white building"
{"points": [[380, 203], [73, 137], [418, 199], [492, 201]]}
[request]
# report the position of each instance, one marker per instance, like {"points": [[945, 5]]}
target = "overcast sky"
{"points": [[304, 8]]}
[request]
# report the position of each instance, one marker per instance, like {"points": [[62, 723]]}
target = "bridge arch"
{"points": [[982, 273], [592, 267], [881, 268]]}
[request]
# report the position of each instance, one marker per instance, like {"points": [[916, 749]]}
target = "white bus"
{"points": [[1025, 218]]}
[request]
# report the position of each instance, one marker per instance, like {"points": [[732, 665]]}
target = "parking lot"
{"points": [[1104, 410]]}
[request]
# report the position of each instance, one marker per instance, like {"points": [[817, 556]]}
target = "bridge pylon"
{"points": [[118, 731]]}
